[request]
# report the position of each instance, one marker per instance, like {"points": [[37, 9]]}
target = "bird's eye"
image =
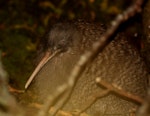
{"points": [[61, 44], [60, 47]]}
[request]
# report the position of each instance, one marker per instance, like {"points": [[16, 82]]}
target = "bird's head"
{"points": [[59, 39]]}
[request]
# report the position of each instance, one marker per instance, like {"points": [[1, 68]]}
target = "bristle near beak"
{"points": [[44, 60]]}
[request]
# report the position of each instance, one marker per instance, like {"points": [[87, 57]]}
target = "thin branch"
{"points": [[120, 92], [53, 109], [25, 27], [144, 110], [94, 98], [52, 99], [13, 90]]}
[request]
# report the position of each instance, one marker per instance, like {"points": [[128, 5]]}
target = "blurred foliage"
{"points": [[22, 22]]}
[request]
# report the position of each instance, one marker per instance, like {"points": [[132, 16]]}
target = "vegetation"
{"points": [[23, 22]]}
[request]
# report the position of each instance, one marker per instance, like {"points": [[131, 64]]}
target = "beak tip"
{"points": [[26, 86], [45, 59]]}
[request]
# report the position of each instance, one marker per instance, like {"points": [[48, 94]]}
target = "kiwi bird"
{"points": [[118, 64]]}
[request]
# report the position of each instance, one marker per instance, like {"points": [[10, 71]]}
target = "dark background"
{"points": [[23, 22]]}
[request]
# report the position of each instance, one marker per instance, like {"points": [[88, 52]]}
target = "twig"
{"points": [[8, 104], [24, 26], [98, 47], [53, 109], [120, 92], [110, 88], [94, 98], [144, 110], [13, 90], [52, 99]]}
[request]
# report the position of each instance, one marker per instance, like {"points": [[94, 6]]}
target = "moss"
{"points": [[18, 53]]}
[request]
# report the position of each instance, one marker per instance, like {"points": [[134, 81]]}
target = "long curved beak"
{"points": [[44, 60]]}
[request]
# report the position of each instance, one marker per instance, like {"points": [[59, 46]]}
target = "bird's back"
{"points": [[119, 64]]}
